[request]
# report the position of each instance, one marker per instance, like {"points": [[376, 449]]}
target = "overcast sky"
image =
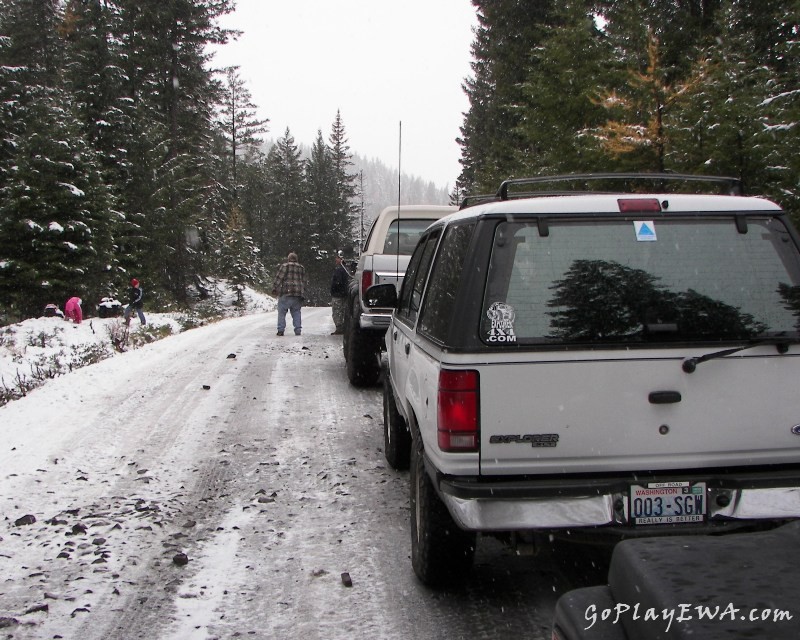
{"points": [[380, 62]]}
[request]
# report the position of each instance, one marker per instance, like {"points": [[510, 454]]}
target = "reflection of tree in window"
{"points": [[791, 300], [704, 317], [600, 299]]}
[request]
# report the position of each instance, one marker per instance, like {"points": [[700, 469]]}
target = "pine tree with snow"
{"points": [[508, 32], [346, 212], [56, 219], [287, 208], [173, 188], [238, 123], [558, 106]]}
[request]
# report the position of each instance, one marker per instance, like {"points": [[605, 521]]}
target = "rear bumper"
{"points": [[375, 320], [562, 503]]}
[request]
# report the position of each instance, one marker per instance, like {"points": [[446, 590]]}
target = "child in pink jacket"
{"points": [[73, 311]]}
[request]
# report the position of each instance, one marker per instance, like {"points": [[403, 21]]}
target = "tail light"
{"points": [[366, 281], [639, 205], [458, 411]]}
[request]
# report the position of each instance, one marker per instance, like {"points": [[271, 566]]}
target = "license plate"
{"points": [[668, 502]]}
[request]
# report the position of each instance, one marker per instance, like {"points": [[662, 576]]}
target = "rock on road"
{"points": [[227, 482]]}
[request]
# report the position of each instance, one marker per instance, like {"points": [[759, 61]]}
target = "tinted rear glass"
{"points": [[619, 281], [404, 234], [437, 315]]}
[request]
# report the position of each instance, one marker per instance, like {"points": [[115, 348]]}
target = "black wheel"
{"points": [[396, 438], [361, 356], [441, 553]]}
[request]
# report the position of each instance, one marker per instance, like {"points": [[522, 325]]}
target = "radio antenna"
{"points": [[399, 178]]}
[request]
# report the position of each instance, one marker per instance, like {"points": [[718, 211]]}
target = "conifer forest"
{"points": [[686, 86], [125, 152]]}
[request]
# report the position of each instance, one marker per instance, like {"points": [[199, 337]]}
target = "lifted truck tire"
{"points": [[441, 552], [396, 438], [361, 355]]}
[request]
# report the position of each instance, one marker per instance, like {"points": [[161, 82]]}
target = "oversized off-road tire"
{"points": [[361, 355], [441, 552], [396, 438]]}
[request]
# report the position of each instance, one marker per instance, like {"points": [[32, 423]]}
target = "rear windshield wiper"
{"points": [[781, 344]]}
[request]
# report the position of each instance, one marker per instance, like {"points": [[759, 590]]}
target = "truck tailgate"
{"points": [[550, 416], [389, 268]]}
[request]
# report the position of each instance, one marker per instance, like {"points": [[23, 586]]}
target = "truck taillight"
{"points": [[366, 281], [458, 410]]}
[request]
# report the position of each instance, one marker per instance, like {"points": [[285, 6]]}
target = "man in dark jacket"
{"points": [[339, 285], [135, 295]]}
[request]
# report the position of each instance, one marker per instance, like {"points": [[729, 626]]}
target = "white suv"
{"points": [[597, 363], [387, 249]]}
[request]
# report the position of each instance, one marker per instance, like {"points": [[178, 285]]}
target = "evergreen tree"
{"points": [[345, 220], [29, 50], [173, 95], [238, 123], [94, 78], [508, 32], [237, 256], [329, 230], [56, 229], [457, 195], [286, 209], [54, 213], [254, 199], [738, 118], [682, 29], [557, 106], [717, 133], [636, 133], [33, 44], [776, 27]]}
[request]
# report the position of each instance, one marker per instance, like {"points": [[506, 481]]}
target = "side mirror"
{"points": [[381, 295]]}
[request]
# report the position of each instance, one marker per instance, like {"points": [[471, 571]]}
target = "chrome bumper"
{"points": [[520, 512], [377, 321], [533, 513]]}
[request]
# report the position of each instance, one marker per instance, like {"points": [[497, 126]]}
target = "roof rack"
{"points": [[471, 201], [733, 185]]}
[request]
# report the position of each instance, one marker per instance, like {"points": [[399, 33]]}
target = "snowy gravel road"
{"points": [[217, 484]]}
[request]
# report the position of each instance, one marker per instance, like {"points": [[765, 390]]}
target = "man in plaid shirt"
{"points": [[289, 286]]}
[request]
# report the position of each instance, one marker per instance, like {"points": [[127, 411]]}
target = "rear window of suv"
{"points": [[620, 281]]}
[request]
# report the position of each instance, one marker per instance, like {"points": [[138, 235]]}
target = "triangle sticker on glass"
{"points": [[645, 230]]}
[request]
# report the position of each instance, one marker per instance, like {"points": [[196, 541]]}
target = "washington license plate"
{"points": [[668, 502]]}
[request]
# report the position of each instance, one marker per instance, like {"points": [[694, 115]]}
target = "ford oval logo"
{"points": [[796, 429]]}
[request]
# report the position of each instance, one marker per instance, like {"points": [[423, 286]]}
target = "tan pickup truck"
{"points": [[390, 241]]}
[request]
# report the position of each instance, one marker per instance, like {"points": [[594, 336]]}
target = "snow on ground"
{"points": [[221, 483], [249, 453], [38, 349]]}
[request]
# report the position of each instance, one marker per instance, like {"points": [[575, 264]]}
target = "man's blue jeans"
{"points": [[293, 305]]}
